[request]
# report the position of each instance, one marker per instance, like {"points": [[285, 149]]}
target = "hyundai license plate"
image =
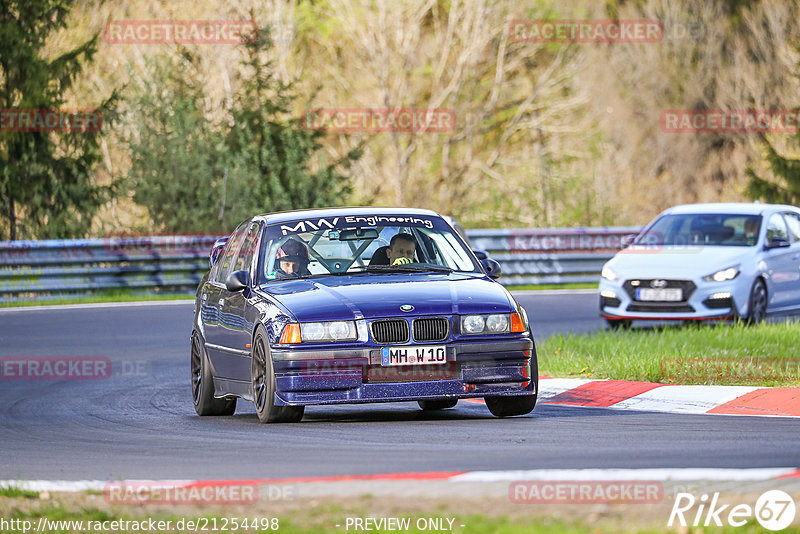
{"points": [[671, 294], [414, 355]]}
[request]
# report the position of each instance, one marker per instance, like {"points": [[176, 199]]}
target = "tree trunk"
{"points": [[12, 220]]}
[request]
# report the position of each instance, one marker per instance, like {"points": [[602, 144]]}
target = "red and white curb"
{"points": [[647, 396], [646, 474]]}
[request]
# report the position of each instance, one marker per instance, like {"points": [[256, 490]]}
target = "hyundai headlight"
{"points": [[608, 273], [724, 275]]}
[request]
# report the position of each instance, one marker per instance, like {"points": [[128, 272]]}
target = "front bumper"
{"points": [[708, 301], [344, 376]]}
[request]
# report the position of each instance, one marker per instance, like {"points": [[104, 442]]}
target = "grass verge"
{"points": [[16, 492], [530, 287], [725, 354]]}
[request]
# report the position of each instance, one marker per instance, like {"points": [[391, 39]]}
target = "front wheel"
{"points": [[203, 384], [263, 383], [757, 310], [511, 406], [430, 405]]}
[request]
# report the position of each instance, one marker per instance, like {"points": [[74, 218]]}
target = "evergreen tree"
{"points": [[787, 170], [194, 175], [270, 150], [176, 170], [46, 186]]}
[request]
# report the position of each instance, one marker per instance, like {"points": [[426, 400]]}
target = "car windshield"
{"points": [[728, 230], [361, 244]]}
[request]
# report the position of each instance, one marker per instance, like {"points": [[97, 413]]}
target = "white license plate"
{"points": [[413, 355], [672, 294]]}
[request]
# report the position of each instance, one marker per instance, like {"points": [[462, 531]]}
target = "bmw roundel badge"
{"points": [[407, 308]]}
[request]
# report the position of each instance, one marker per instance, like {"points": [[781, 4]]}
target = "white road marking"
{"points": [[683, 399]]}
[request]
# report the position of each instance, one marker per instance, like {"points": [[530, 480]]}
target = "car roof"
{"points": [[285, 216], [745, 208]]}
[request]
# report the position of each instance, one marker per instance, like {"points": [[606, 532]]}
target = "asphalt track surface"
{"points": [[140, 423]]}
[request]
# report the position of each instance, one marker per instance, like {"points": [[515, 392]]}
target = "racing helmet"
{"points": [[292, 250]]}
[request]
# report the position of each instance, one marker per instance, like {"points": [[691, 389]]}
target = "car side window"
{"points": [[776, 228], [793, 222], [228, 253], [244, 256]]}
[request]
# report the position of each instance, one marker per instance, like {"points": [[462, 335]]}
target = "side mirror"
{"points": [[237, 281], [481, 254], [777, 242], [491, 267]]}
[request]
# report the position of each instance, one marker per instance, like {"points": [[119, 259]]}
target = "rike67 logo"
{"points": [[774, 510]]}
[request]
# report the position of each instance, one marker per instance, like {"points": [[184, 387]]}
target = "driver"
{"points": [[401, 249], [751, 230], [291, 260]]}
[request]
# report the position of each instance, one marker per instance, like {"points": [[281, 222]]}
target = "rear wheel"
{"points": [[203, 384], [263, 382], [430, 405], [511, 406], [757, 310]]}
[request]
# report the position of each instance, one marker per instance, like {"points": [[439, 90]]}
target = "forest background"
{"points": [[197, 137]]}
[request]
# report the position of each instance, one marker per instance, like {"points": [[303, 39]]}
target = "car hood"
{"points": [[672, 262], [370, 296]]}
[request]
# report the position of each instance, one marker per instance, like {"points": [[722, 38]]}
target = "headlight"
{"points": [[313, 331], [496, 323], [608, 273], [473, 324], [327, 331], [724, 275]]}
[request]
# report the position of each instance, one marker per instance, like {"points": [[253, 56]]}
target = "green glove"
{"points": [[402, 261]]}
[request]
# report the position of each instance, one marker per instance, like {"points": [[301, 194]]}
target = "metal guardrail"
{"points": [[175, 264], [551, 255], [54, 268]]}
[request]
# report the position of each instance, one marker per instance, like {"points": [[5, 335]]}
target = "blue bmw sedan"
{"points": [[356, 305]]}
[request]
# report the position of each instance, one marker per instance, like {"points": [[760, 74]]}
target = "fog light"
{"points": [[607, 293], [720, 300]]}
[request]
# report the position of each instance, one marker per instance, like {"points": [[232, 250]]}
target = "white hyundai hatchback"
{"points": [[707, 262]]}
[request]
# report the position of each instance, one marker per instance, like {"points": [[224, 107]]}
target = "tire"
{"points": [[511, 406], [757, 308], [430, 405], [203, 383], [619, 324], [262, 379]]}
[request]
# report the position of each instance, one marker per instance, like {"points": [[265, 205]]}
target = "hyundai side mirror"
{"points": [[237, 281], [491, 267], [777, 242]]}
